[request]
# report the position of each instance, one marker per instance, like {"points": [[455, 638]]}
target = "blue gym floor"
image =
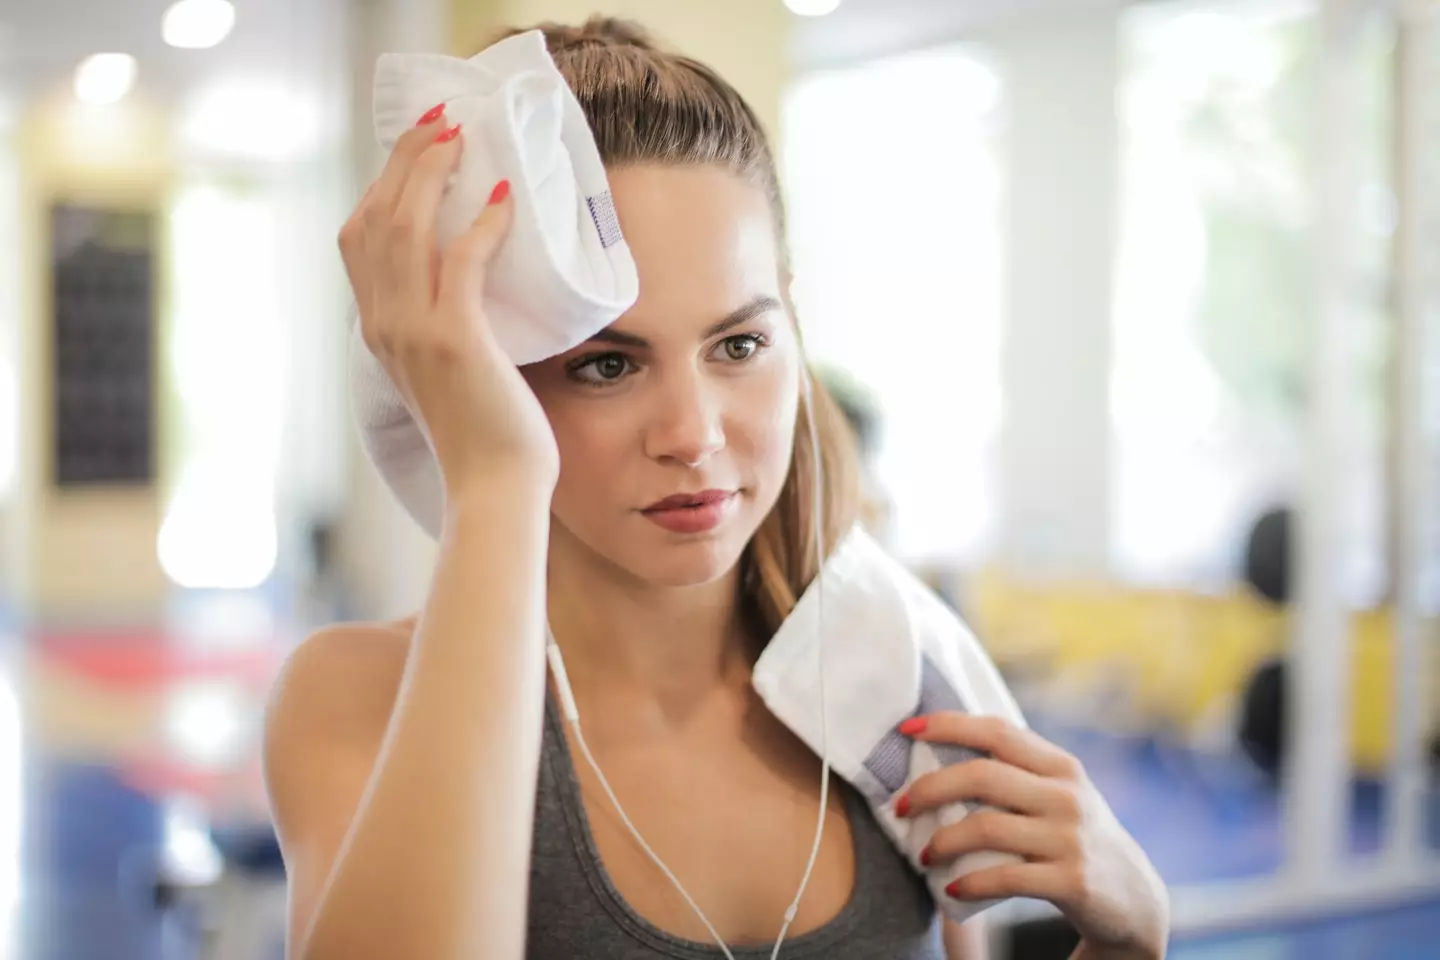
{"points": [[1205, 819], [1409, 933]]}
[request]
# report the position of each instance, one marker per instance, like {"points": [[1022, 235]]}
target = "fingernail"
{"points": [[925, 857], [953, 889], [431, 115], [501, 191], [449, 135], [913, 726], [902, 806]]}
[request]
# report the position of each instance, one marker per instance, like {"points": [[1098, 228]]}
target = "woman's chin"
{"points": [[688, 565], [669, 561], [667, 558]]}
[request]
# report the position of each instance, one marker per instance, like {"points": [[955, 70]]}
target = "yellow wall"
{"points": [[82, 554], [745, 40]]}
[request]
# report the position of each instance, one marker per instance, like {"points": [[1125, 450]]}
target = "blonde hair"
{"points": [[646, 105]]}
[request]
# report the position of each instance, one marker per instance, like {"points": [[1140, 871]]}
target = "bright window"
{"points": [[894, 193], [227, 359], [1214, 282]]}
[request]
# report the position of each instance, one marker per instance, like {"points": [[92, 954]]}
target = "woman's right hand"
{"points": [[420, 314]]}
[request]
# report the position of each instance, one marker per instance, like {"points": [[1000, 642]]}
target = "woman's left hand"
{"points": [[1073, 850]]}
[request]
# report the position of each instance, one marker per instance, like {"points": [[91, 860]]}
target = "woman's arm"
{"points": [[432, 858], [966, 941], [433, 851]]}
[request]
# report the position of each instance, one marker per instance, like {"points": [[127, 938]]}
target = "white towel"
{"points": [[892, 650], [565, 271]]}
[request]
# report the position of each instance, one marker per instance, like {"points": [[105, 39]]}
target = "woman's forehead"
{"points": [[703, 241]]}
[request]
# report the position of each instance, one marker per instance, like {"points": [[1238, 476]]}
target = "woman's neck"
{"points": [[669, 645]]}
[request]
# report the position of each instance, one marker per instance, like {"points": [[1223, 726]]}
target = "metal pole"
{"points": [[1414, 285], [1316, 786]]}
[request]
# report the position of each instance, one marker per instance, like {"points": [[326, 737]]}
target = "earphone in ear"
{"points": [[572, 713]]}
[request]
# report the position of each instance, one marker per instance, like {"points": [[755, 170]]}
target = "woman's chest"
{"points": [[734, 819], [737, 835]]}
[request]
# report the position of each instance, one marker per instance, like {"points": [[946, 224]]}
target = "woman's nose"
{"points": [[687, 424]]}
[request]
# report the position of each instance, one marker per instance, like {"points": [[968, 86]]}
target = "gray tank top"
{"points": [[576, 912]]}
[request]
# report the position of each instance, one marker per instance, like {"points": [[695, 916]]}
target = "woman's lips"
{"points": [[691, 512]]}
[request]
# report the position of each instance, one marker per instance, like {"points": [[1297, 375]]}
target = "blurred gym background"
{"points": [[1134, 305]]}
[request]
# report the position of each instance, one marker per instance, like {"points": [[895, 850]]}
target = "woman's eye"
{"points": [[604, 369], [741, 347], [611, 367]]}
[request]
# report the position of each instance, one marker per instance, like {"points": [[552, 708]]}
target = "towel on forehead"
{"points": [[564, 272]]}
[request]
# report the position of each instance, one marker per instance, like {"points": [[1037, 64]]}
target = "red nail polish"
{"points": [[925, 857], [913, 726], [431, 115], [501, 191], [953, 889], [902, 806], [449, 135]]}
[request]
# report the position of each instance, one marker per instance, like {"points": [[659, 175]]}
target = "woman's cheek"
{"points": [[767, 434]]}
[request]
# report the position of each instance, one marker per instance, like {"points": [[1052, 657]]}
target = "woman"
{"points": [[423, 788]]}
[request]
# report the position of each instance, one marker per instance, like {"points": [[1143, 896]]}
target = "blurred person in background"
{"points": [[648, 496], [863, 417]]}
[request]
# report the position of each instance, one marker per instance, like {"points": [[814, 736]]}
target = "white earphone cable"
{"points": [[572, 713], [818, 519]]}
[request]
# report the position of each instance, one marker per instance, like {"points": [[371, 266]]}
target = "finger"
{"points": [[1039, 881], [992, 830], [991, 782], [355, 259], [413, 254], [998, 737], [462, 269], [385, 196], [408, 148]]}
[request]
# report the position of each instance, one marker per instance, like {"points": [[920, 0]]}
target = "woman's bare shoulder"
{"points": [[341, 680], [325, 721]]}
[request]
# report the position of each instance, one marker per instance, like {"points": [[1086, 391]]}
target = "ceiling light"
{"points": [[812, 8], [197, 24], [105, 78], [258, 120]]}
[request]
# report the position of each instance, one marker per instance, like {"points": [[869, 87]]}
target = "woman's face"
{"points": [[692, 391]]}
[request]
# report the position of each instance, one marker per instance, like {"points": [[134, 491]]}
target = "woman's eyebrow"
{"points": [[758, 306]]}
